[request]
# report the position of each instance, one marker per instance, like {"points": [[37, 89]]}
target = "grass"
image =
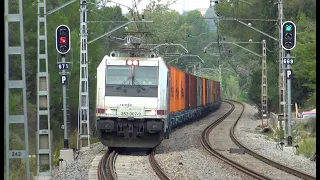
{"points": [[307, 147], [305, 136], [276, 134]]}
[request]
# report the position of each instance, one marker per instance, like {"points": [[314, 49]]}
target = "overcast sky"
{"points": [[179, 6]]}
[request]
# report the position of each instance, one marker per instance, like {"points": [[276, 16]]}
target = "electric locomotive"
{"points": [[140, 99], [132, 100]]}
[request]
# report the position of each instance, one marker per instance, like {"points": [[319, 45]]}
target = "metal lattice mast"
{"points": [[282, 80], [11, 52], [264, 83], [44, 150], [83, 115]]}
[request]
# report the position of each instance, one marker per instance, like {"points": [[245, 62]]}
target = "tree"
{"points": [[304, 82], [305, 67]]}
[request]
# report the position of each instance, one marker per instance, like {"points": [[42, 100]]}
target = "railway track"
{"points": [[106, 166], [258, 175], [113, 166], [264, 159]]}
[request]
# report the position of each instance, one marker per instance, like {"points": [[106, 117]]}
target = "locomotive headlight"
{"points": [[129, 62], [132, 62], [150, 112], [135, 62], [153, 112], [108, 111]]}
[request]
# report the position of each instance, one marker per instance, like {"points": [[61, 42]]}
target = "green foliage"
{"points": [[69, 16], [307, 147], [311, 125], [231, 88], [293, 7], [305, 136], [299, 11], [18, 169], [172, 27], [277, 134], [241, 74], [305, 67]]}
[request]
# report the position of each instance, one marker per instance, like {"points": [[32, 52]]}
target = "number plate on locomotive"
{"points": [[130, 112]]}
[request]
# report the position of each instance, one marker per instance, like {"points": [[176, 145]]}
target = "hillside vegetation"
{"points": [[241, 72]]}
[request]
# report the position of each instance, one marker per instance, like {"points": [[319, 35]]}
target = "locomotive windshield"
{"points": [[118, 75], [142, 75], [146, 75], [132, 81]]}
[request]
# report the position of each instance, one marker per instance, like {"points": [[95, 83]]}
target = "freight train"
{"points": [[140, 100]]}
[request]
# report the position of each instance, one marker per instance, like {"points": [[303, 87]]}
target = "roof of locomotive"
{"points": [[146, 58]]}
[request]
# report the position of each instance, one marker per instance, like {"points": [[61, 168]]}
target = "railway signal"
{"points": [[63, 39], [288, 39]]}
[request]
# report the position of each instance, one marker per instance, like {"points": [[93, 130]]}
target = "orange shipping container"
{"points": [[204, 91], [182, 91], [177, 90], [172, 89]]}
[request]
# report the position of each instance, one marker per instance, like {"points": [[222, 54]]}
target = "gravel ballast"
{"points": [[220, 140], [134, 167], [183, 157], [247, 135], [78, 169]]}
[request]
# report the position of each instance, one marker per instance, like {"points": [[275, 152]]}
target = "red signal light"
{"points": [[63, 40]]}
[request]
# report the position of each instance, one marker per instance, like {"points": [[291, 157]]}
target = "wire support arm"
{"points": [[257, 30], [236, 44], [167, 44], [190, 55], [105, 34], [61, 7]]}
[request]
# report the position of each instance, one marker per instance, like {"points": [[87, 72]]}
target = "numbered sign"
{"points": [[44, 132], [289, 61], [16, 154], [63, 66]]}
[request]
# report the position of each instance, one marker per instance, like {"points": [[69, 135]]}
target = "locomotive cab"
{"points": [[132, 101]]}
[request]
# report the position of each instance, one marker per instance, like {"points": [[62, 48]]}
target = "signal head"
{"points": [[63, 39], [288, 39]]}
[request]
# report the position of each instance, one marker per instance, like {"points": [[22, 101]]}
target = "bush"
{"points": [[311, 125], [305, 136], [277, 134], [307, 147]]}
